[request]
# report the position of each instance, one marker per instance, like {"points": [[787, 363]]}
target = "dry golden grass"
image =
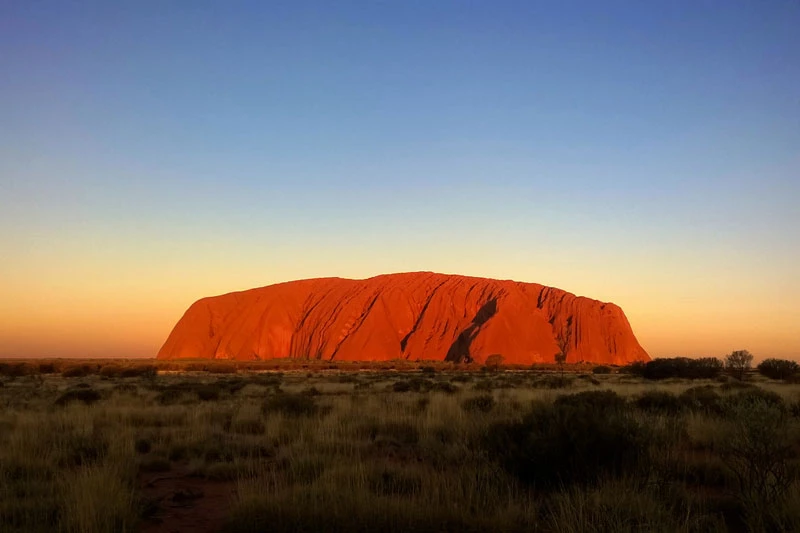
{"points": [[345, 450]]}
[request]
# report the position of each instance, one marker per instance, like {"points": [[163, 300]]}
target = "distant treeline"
{"points": [[707, 368]]}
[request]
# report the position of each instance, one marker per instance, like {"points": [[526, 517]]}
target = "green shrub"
{"points": [[576, 440], [778, 368], [750, 397], [602, 401], [660, 402], [703, 398], [602, 369]]}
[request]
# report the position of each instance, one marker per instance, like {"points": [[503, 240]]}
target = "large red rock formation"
{"points": [[413, 316]]}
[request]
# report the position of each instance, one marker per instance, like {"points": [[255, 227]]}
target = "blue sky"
{"points": [[646, 153]]}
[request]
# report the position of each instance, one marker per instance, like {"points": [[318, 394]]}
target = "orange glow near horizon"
{"points": [[650, 160], [130, 316]]}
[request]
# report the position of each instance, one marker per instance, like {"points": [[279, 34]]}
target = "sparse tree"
{"points": [[738, 363], [757, 447], [494, 361], [561, 358], [563, 340]]}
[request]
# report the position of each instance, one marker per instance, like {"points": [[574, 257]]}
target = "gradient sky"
{"points": [[645, 153]]}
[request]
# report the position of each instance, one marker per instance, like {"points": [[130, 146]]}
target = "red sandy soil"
{"points": [[185, 503], [414, 316]]}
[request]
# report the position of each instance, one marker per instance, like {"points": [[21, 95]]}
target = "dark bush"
{"points": [[484, 385], [48, 368], [683, 367], [704, 398], [401, 386], [576, 440], [87, 396], [428, 370], [175, 391], [483, 403], [778, 368], [209, 392], [111, 371], [602, 369], [290, 404], [602, 401], [170, 395], [444, 386], [660, 402], [494, 362], [420, 384], [635, 369], [143, 371], [14, 370], [232, 385], [78, 371]]}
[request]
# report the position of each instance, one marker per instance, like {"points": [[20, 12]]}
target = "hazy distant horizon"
{"points": [[156, 153]]}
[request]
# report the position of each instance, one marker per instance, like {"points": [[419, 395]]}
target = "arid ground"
{"points": [[164, 446]]}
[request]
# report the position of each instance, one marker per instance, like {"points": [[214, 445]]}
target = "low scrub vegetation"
{"points": [[779, 369], [83, 444], [677, 367]]}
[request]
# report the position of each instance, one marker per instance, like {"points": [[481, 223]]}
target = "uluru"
{"points": [[415, 316]]}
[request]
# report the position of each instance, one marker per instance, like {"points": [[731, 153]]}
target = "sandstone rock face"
{"points": [[416, 316]]}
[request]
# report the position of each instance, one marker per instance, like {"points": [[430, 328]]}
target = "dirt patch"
{"points": [[178, 502]]}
